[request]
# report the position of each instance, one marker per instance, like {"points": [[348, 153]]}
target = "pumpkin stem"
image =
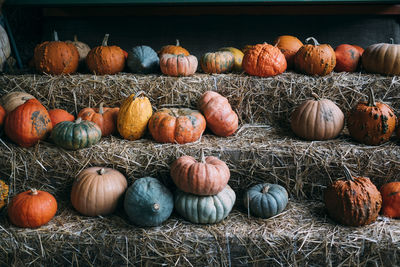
{"points": [[177, 42], [34, 191], [101, 110], [156, 206], [202, 158], [347, 173], [391, 40], [265, 189], [55, 34], [139, 94], [312, 39], [105, 40], [78, 120], [371, 98], [315, 96], [75, 38], [101, 171]]}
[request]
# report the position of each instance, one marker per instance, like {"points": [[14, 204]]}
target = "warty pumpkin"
{"points": [[3, 194], [173, 49], [15, 99], [28, 123], [217, 62], [134, 115], [371, 122], [220, 117], [237, 57], [347, 58], [354, 201], [83, 49], [289, 45], [58, 115], [32, 208], [97, 191], [382, 58], [104, 117], [391, 199], [318, 119], [178, 65], [176, 125], [143, 59]]}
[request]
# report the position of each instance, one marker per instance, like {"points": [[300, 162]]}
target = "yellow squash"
{"points": [[238, 57], [3, 194]]}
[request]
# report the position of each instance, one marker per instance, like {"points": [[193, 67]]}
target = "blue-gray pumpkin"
{"points": [[205, 209], [148, 202], [266, 200], [143, 59]]}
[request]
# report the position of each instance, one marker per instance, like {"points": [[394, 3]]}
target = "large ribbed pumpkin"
{"points": [[3, 194], [97, 191], [15, 99], [354, 201], [237, 57], [391, 199], [205, 209], [134, 116], [217, 62], [58, 115], [178, 65], [143, 59], [318, 119], [289, 45], [148, 202], [105, 118], [177, 125], [76, 135], [28, 123], [382, 58]]}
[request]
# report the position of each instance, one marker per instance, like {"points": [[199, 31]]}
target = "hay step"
{"points": [[256, 100], [302, 235], [256, 153]]}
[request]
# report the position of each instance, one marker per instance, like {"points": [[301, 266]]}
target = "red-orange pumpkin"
{"points": [[58, 115], [2, 116], [105, 118], [178, 65], [289, 45], [391, 199], [347, 58]]}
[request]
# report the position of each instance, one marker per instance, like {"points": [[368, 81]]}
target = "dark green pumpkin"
{"points": [[76, 135], [266, 200], [218, 62], [143, 59], [148, 202], [205, 209]]}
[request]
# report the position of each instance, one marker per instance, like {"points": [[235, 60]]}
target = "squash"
{"points": [[354, 201], [2, 116], [218, 62], [4, 189], [176, 125], [59, 115], [83, 49], [5, 48], [28, 123], [237, 57], [391, 199], [205, 209], [15, 99], [148, 202], [382, 58], [134, 115], [220, 117], [178, 65], [318, 119], [347, 58], [289, 45], [32, 208], [105, 118], [76, 135], [173, 49], [97, 191], [143, 59], [265, 200]]}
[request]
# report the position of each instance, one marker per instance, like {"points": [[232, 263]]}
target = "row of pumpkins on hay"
{"points": [[263, 60]]}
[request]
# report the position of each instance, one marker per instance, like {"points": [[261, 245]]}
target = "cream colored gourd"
{"points": [[382, 58], [83, 49], [13, 100]]}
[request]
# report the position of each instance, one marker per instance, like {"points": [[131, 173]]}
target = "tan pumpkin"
{"points": [[105, 118], [318, 119], [178, 65], [83, 49], [237, 57], [382, 58], [289, 45], [97, 191], [15, 99], [218, 62]]}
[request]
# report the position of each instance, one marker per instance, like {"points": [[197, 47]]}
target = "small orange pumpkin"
{"points": [[59, 115], [105, 118], [173, 49], [347, 58], [391, 199], [289, 45], [178, 65]]}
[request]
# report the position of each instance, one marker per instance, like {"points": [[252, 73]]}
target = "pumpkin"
{"points": [[237, 57], [76, 135], [105, 59], [3, 194], [218, 62], [28, 123], [32, 208], [105, 118], [176, 125], [83, 49], [317, 59], [173, 49], [220, 117], [265, 200], [354, 201], [207, 177], [13, 100], [382, 58], [148, 202], [143, 59], [264, 60], [97, 191], [371, 122], [391, 199], [347, 58], [2, 116], [289, 45], [134, 115], [205, 209], [56, 57], [59, 115], [246, 48], [318, 119], [360, 50], [178, 65], [5, 48]]}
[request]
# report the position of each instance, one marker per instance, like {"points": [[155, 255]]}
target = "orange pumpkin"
{"points": [[247, 47], [391, 199], [178, 65], [264, 60], [59, 115], [105, 59], [347, 58], [2, 116], [32, 208], [289, 45], [173, 49], [176, 125], [359, 49], [218, 62], [105, 118], [28, 123]]}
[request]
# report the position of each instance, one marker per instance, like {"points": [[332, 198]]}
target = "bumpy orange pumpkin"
{"points": [[371, 122], [2, 116], [105, 118], [347, 58], [3, 194], [58, 115], [289, 45], [218, 62], [28, 123], [173, 49], [177, 125], [264, 60], [220, 117], [178, 65], [56, 57], [105, 59], [391, 199], [32, 208]]}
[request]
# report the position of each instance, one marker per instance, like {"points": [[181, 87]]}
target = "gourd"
{"points": [[14, 99], [59, 115], [148, 202], [218, 62], [289, 45], [4, 189], [104, 117], [382, 58], [178, 65], [83, 49], [173, 49], [347, 58], [391, 199], [143, 59], [237, 57]]}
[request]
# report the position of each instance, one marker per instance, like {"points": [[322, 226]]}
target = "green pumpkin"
{"points": [[76, 135], [217, 62], [148, 202], [266, 200], [143, 59], [205, 209]]}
